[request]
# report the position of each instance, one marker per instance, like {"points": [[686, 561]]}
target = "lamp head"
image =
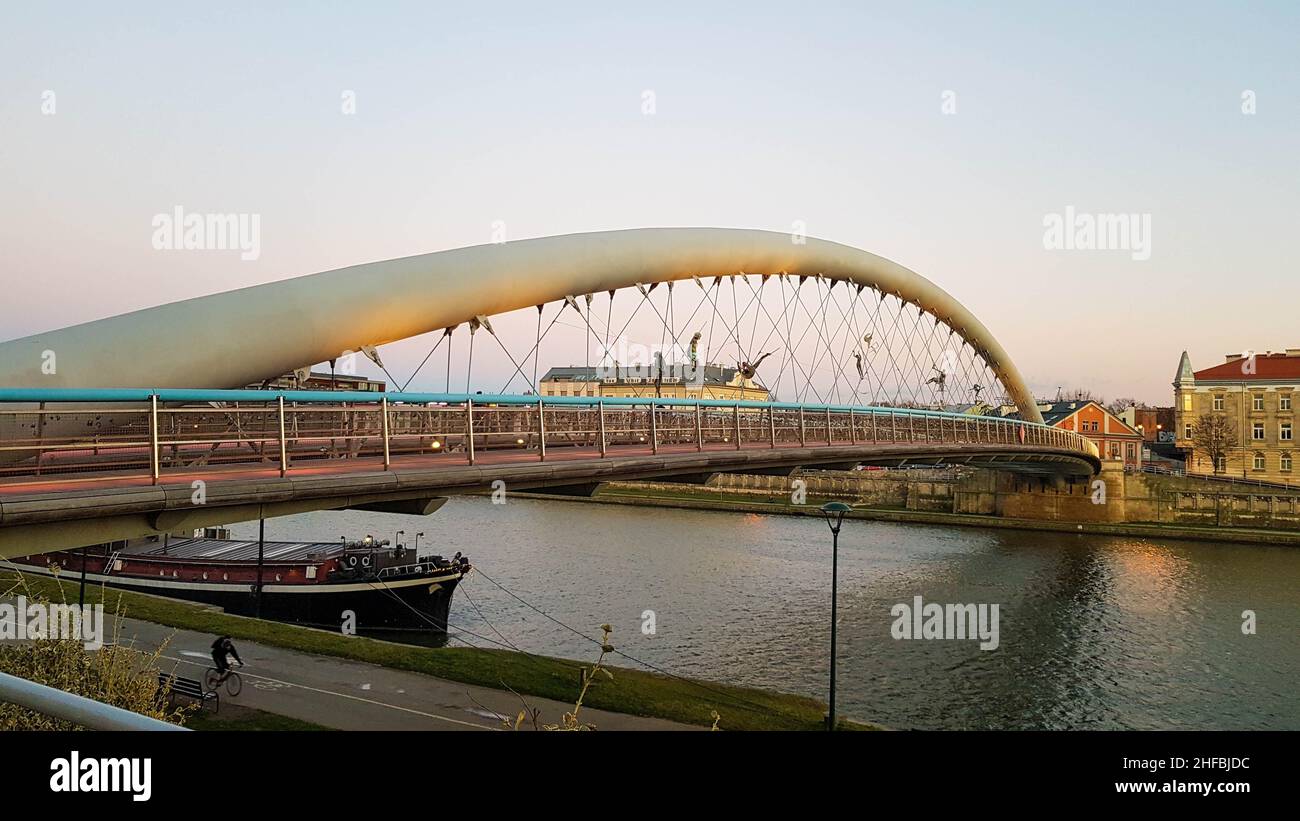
{"points": [[834, 513]]}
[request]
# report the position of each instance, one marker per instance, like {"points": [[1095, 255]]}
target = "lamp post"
{"points": [[261, 556], [834, 513]]}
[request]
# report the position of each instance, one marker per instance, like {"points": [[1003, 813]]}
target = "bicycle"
{"points": [[212, 679]]}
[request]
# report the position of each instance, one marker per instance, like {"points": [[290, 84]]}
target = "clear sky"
{"points": [[764, 114]]}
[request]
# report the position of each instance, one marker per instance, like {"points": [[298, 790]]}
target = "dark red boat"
{"points": [[369, 585]]}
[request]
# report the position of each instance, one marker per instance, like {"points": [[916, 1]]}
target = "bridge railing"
{"points": [[57, 433]]}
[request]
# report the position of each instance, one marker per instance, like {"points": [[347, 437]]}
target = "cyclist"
{"points": [[220, 649]]}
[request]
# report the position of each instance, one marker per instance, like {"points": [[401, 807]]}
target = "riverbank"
{"points": [[631, 691], [689, 498]]}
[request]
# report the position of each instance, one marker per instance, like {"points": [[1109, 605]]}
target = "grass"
{"points": [[632, 691]]}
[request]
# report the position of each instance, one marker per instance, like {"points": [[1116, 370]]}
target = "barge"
{"points": [[370, 585]]}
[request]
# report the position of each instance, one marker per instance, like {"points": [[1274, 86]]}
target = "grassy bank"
{"points": [[632, 691]]}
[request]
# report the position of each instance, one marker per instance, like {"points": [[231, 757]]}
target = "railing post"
{"points": [[771, 424], [40, 437], [911, 432], [875, 432], [654, 427], [853, 429], [469, 430], [383, 409], [829, 440], [803, 437], [541, 430], [600, 409], [893, 428], [153, 437], [736, 415], [284, 448], [699, 426]]}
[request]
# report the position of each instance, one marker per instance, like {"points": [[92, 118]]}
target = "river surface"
{"points": [[1094, 632]]}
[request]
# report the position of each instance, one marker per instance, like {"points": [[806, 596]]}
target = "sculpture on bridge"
{"points": [[749, 370]]}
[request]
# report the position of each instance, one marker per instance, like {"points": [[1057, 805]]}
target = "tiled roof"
{"points": [[1267, 366]]}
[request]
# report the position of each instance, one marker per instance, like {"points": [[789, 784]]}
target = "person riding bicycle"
{"points": [[221, 648]]}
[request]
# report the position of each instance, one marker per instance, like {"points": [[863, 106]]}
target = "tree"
{"points": [[1076, 395], [1118, 406], [1213, 434]]}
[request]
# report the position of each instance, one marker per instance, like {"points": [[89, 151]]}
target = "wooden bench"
{"points": [[188, 688]]}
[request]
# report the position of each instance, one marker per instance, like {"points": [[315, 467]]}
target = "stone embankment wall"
{"points": [[1112, 496]]}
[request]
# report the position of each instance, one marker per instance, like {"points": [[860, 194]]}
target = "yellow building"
{"points": [[1257, 393], [710, 382]]}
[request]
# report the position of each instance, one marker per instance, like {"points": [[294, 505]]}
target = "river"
{"points": [[1094, 632]]}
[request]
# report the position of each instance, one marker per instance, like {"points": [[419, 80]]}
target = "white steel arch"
{"points": [[240, 337]]}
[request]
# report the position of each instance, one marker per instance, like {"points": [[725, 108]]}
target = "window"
{"points": [[1286, 461], [1258, 402], [1257, 431], [1187, 431], [1218, 402], [1222, 465], [1259, 461], [1187, 401], [1132, 452], [1284, 432], [1284, 402], [1114, 450]]}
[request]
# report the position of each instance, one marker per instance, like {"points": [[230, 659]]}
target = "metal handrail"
{"points": [[82, 711], [325, 424]]}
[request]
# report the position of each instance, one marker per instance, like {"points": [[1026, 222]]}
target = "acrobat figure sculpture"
{"points": [[938, 380], [747, 370]]}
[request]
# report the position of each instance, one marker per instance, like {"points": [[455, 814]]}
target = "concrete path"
{"points": [[354, 695]]}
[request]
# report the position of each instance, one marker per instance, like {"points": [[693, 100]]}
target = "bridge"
{"points": [[876, 365]]}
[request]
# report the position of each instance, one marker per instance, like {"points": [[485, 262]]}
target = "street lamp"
{"points": [[834, 513]]}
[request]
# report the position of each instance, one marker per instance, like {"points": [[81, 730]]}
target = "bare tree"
{"points": [[1123, 403], [1213, 434]]}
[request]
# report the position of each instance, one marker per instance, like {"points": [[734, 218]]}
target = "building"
{"points": [[1255, 392], [321, 382], [716, 382], [1155, 424], [1113, 437]]}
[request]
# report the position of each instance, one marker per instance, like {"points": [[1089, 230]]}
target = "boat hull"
{"points": [[419, 604]]}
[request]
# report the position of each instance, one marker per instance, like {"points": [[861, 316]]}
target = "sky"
{"points": [[943, 136]]}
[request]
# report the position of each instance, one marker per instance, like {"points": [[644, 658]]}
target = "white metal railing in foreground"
{"points": [[82, 711]]}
